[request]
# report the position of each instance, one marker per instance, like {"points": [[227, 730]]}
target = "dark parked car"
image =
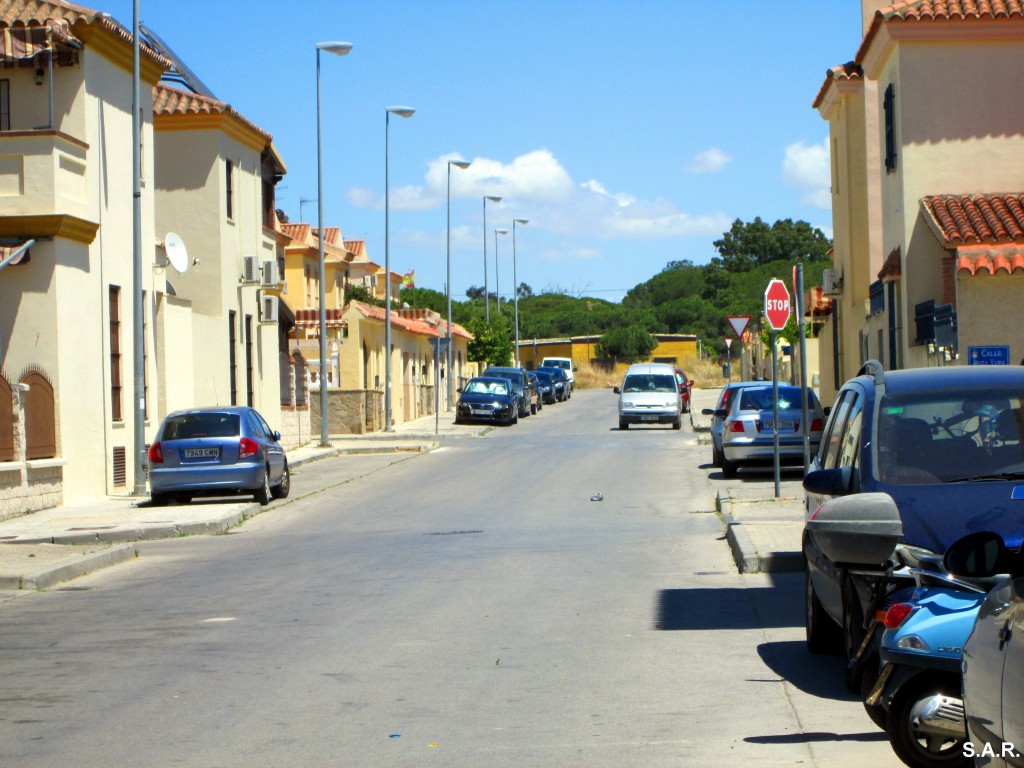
{"points": [[525, 390], [487, 399], [546, 385], [535, 383], [563, 387], [944, 443], [217, 452]]}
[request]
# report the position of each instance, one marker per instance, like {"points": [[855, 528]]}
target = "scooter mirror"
{"points": [[978, 555]]}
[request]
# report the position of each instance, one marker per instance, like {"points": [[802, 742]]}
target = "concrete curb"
{"points": [[744, 551], [49, 576]]}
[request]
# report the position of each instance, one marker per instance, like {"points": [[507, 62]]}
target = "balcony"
{"points": [[43, 172]]}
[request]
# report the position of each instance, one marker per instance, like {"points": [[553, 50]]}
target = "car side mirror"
{"points": [[979, 554], [828, 482], [459, 390], [827, 410], [720, 413], [616, 390], [708, 412], [277, 436]]}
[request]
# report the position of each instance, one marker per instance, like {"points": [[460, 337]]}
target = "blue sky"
{"points": [[630, 134]]}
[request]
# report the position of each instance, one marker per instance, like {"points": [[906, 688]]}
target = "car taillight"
{"points": [[897, 614], [156, 454], [736, 426], [817, 425], [247, 447]]}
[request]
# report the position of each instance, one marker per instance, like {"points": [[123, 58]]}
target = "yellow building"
{"points": [[675, 349]]}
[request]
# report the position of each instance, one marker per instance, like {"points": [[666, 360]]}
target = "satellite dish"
{"points": [[174, 247]]}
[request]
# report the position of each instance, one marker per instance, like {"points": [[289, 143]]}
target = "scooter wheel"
{"points": [[911, 742]]}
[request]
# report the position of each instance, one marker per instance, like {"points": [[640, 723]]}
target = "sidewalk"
{"points": [[763, 532], [44, 548]]}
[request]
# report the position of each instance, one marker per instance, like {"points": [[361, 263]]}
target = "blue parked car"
{"points": [[945, 444], [560, 381], [217, 452]]}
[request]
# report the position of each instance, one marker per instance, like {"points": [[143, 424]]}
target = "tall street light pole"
{"points": [[515, 282], [338, 49], [138, 313], [401, 112], [451, 354], [497, 282], [487, 296]]}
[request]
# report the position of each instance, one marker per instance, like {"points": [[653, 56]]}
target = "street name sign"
{"points": [[994, 355]]}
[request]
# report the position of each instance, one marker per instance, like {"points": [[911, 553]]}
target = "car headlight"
{"points": [[627, 403]]}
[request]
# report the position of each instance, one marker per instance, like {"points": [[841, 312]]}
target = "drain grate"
{"points": [[451, 533]]}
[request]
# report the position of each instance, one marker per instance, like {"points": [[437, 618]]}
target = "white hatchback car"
{"points": [[649, 395]]}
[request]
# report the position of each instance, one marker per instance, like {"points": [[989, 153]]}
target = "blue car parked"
{"points": [[944, 443], [217, 452]]}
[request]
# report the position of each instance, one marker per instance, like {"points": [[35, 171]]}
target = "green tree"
{"points": [[749, 245], [491, 344], [629, 343]]}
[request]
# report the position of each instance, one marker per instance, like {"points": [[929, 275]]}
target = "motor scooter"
{"points": [[918, 689]]}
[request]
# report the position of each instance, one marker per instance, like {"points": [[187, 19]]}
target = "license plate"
{"points": [[648, 418], [202, 453], [480, 412], [785, 425]]}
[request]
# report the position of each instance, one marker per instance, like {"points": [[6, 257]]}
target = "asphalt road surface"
{"points": [[474, 606]]}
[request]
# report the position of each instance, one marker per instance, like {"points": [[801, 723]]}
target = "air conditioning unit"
{"points": [[270, 279], [250, 270], [268, 309], [832, 282]]}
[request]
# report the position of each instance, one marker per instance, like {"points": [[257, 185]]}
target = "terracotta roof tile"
{"points": [[974, 259], [412, 325], [851, 70], [966, 219], [297, 232], [942, 11], [39, 12], [174, 101], [356, 247]]}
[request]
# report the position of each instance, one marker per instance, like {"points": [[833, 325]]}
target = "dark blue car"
{"points": [[489, 399], [944, 443]]}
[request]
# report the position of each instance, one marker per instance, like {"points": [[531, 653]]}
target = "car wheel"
{"points": [[729, 467], [183, 498], [533, 408], [280, 491], [912, 742], [716, 457], [158, 499], [822, 633], [623, 424], [678, 423], [263, 494], [876, 712]]}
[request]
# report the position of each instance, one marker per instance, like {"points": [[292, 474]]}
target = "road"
{"points": [[474, 606]]}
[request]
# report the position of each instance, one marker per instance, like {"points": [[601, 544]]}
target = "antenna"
{"points": [[302, 202]]}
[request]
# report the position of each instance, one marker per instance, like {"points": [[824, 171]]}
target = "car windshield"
{"points": [[193, 425], [486, 388], [650, 382], [760, 399], [947, 437]]}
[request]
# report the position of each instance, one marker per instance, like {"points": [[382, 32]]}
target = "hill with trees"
{"points": [[682, 298]]}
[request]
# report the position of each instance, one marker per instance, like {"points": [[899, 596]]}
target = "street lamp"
{"points": [[515, 282], [338, 49], [401, 112], [487, 298], [497, 282], [463, 164]]}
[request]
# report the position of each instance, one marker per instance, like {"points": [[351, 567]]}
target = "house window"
{"points": [[248, 361], [115, 353], [5, 105], [232, 359], [229, 187], [889, 106]]}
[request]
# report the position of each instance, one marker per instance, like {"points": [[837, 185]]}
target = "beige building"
{"points": [[927, 162], [66, 306]]}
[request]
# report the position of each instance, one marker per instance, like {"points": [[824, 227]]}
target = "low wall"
{"points": [[349, 412], [28, 486]]}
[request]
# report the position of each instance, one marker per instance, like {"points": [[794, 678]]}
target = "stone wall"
{"points": [[349, 412], [28, 486]]}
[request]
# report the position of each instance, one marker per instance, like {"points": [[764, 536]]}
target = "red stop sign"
{"points": [[776, 305]]}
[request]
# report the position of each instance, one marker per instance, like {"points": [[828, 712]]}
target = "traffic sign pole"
{"points": [[776, 312], [775, 408]]}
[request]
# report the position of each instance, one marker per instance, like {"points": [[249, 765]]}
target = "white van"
{"points": [[565, 363], [649, 395]]}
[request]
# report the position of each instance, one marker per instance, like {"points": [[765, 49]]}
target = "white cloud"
{"points": [[537, 182], [806, 167], [711, 160]]}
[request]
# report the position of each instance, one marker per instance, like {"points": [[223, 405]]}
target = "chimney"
{"points": [[868, 9]]}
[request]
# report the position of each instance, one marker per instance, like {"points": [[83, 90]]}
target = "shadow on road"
{"points": [[806, 738], [724, 608], [820, 676]]}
